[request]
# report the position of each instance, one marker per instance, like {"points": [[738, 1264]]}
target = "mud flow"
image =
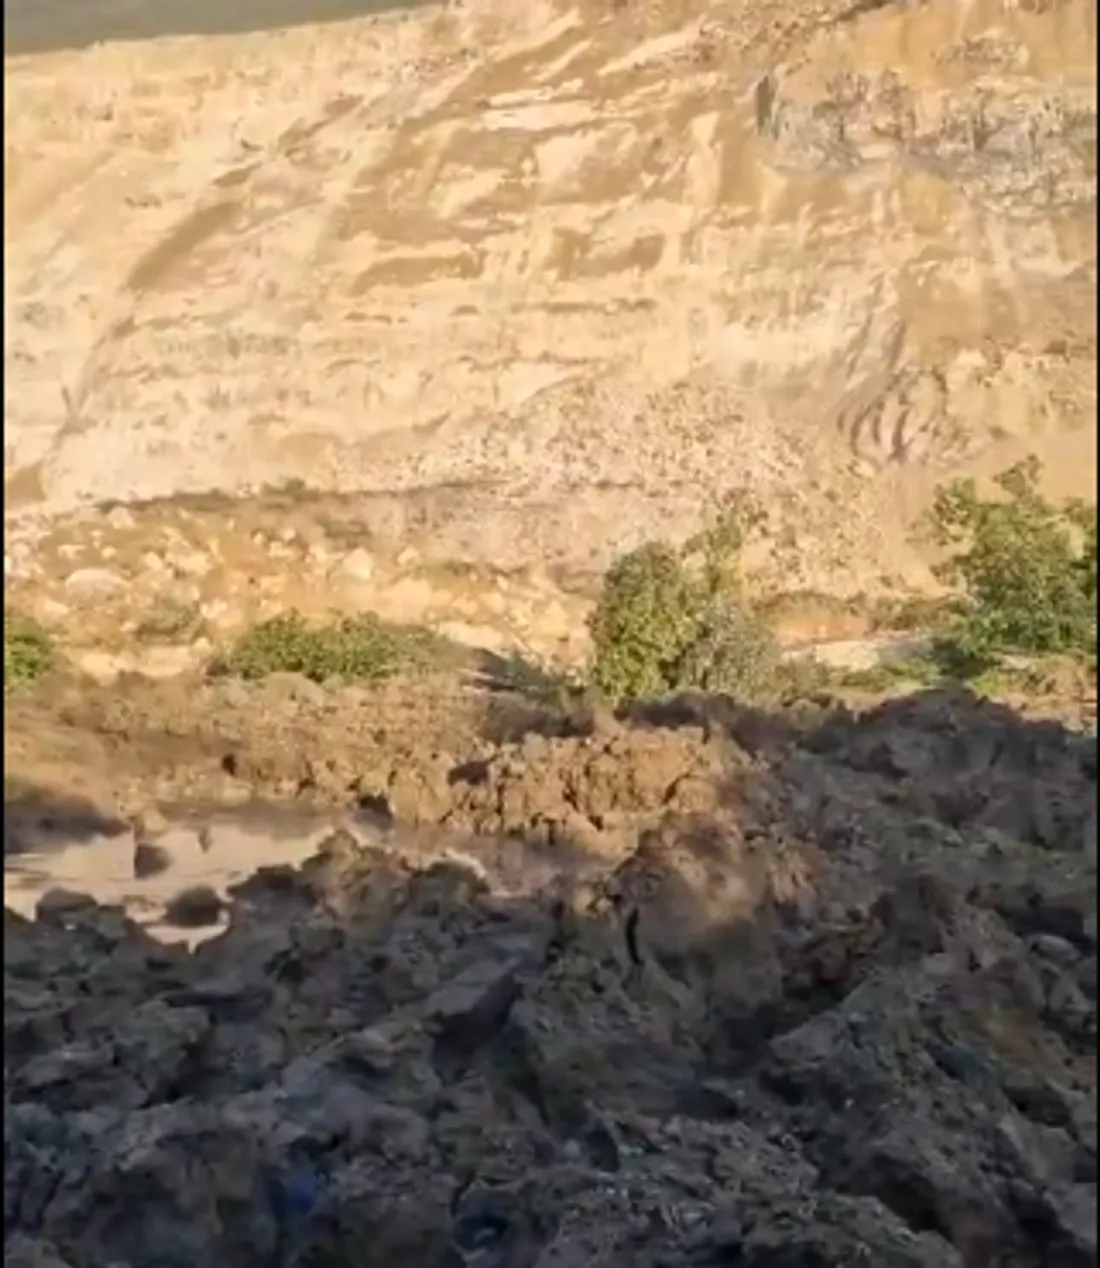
{"points": [[714, 987]]}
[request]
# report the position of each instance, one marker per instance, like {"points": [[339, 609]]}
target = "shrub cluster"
{"points": [[356, 648], [677, 620], [671, 620], [1024, 567], [28, 652]]}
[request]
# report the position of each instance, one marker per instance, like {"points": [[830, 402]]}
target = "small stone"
{"points": [[339, 847], [55, 904], [206, 838], [192, 563], [372, 1049], [1051, 947], [149, 824], [92, 585], [52, 612], [196, 907], [298, 689], [120, 518], [102, 667], [358, 566], [150, 860], [474, 1004]]}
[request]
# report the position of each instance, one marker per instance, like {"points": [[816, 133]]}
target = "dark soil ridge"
{"points": [[712, 988]]}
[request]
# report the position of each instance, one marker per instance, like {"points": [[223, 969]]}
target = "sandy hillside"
{"points": [[533, 280]]}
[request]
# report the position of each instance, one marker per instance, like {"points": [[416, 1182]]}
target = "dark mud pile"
{"points": [[708, 990]]}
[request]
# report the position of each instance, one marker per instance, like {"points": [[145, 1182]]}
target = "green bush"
{"points": [[669, 621], [1025, 567], [356, 648], [733, 652], [28, 652], [643, 624]]}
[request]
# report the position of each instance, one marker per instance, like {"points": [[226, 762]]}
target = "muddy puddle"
{"points": [[197, 844]]}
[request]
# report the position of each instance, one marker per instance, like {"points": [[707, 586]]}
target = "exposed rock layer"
{"points": [[562, 272]]}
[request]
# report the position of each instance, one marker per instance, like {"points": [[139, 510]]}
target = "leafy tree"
{"points": [[1025, 567]]}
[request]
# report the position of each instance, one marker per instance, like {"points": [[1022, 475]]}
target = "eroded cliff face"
{"points": [[586, 265]]}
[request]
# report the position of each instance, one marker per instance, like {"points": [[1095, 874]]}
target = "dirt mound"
{"points": [[706, 989]]}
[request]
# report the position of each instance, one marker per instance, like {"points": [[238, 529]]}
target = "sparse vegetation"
{"points": [[355, 648], [169, 619], [539, 681], [1025, 569], [905, 673], [28, 652], [913, 614], [669, 621]]}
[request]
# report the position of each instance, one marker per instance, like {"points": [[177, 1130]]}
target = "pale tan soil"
{"points": [[156, 588], [537, 281]]}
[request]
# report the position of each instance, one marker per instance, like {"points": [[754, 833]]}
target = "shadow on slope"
{"points": [[795, 1005], [40, 818]]}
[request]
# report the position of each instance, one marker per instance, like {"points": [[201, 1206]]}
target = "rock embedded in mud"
{"points": [[58, 904], [195, 907], [150, 860]]}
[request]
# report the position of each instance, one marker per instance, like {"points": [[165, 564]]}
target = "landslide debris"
{"points": [[713, 989]]}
